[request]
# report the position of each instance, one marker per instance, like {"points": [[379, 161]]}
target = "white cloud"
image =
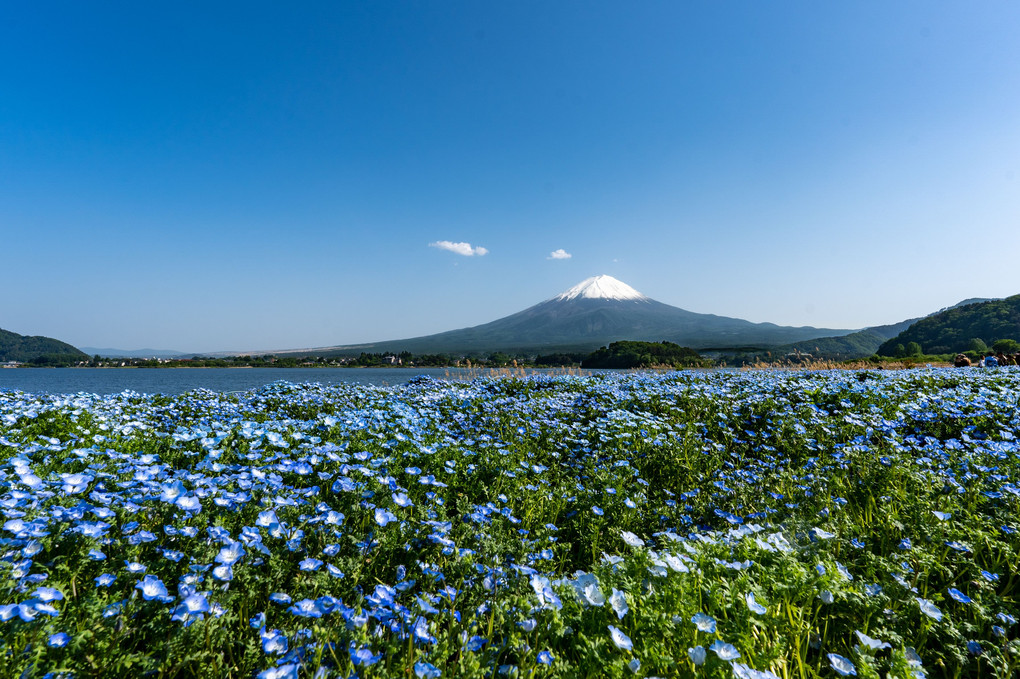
{"points": [[559, 254], [460, 248]]}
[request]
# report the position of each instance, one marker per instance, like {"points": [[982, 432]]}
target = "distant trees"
{"points": [[643, 355], [961, 329], [913, 349], [1006, 346]]}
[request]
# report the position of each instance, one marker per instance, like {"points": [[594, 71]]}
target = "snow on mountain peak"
{"points": [[601, 287]]}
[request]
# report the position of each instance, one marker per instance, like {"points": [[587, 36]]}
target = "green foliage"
{"points": [[913, 349], [958, 329], [40, 350], [642, 355], [1006, 346]]}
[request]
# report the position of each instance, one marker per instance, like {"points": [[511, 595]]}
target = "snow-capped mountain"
{"points": [[601, 287], [593, 313]]}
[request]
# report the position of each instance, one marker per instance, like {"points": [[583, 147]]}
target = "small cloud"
{"points": [[460, 248], [559, 254]]}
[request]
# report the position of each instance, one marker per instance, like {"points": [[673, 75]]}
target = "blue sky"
{"points": [[254, 176]]}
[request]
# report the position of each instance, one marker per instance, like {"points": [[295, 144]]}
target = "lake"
{"points": [[180, 380]]}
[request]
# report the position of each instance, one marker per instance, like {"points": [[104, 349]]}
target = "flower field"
{"points": [[751, 525]]}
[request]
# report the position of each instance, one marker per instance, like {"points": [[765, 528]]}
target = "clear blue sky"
{"points": [[258, 176]]}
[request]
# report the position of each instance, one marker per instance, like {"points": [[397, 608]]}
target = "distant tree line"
{"points": [[643, 355]]}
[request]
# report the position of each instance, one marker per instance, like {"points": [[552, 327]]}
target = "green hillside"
{"points": [[855, 345], [953, 330], [26, 348]]}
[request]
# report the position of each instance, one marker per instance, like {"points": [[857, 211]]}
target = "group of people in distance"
{"points": [[989, 361]]}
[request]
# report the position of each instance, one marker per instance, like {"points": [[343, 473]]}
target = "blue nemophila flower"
{"points": [[223, 573], [753, 605], [105, 580], [475, 643], [402, 500], [58, 640], [990, 577], [618, 601], [958, 546], [48, 594], [820, 569], [723, 650], [974, 648], [906, 544], [842, 666], [306, 608], [230, 554], [621, 640], [364, 656], [309, 564], [134, 567], [874, 644], [280, 598], [274, 642], [425, 670], [1006, 618], [959, 596], [287, 671], [631, 539], [742, 671], [704, 622], [929, 609], [873, 589], [153, 588], [942, 516], [597, 510], [546, 658], [697, 655], [384, 516], [826, 597], [820, 534]]}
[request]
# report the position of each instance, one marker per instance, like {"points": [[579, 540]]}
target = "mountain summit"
{"points": [[593, 313], [601, 287]]}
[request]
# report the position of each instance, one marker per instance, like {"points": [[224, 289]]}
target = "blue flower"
{"points": [[705, 623], [425, 670], [105, 580], [723, 650], [153, 588], [697, 655], [364, 656], [546, 658], [621, 640], [475, 643], [959, 596], [842, 666], [58, 640]]}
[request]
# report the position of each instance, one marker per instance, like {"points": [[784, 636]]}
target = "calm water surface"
{"points": [[180, 380]]}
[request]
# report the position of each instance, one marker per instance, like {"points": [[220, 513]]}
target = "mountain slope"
{"points": [[15, 347], [590, 315], [951, 330]]}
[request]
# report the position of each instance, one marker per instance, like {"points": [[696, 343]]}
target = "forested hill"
{"points": [[955, 330], [25, 348]]}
